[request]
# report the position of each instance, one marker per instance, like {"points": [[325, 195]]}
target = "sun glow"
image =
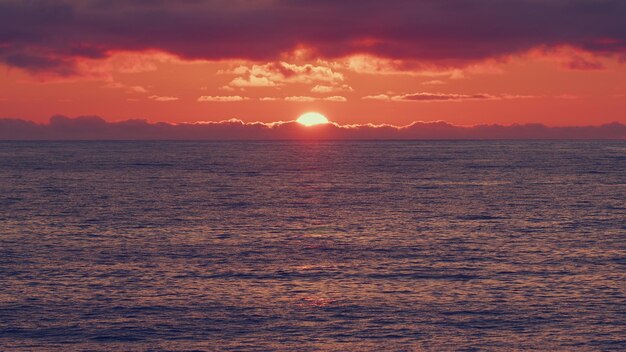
{"points": [[311, 119]]}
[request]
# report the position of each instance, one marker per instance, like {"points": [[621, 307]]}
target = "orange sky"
{"points": [[159, 87], [554, 62]]}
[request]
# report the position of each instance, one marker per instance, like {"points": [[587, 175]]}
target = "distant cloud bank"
{"points": [[96, 128]]}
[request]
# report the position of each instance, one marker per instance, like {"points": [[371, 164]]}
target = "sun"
{"points": [[311, 119]]}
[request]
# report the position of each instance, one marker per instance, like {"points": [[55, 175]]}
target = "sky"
{"points": [[481, 62]]}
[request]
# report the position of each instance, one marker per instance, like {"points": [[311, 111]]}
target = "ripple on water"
{"points": [[312, 246]]}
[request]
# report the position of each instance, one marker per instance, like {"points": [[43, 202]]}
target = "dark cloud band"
{"points": [[49, 35], [95, 128]]}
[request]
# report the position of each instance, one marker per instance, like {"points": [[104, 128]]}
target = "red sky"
{"points": [[559, 63]]}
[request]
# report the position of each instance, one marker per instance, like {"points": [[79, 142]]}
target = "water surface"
{"points": [[306, 246]]}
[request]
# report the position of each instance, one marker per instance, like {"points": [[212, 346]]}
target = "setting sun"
{"points": [[312, 119]]}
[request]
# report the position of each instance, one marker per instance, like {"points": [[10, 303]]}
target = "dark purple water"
{"points": [[306, 246]]}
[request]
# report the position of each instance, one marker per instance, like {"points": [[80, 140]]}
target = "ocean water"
{"points": [[312, 246]]}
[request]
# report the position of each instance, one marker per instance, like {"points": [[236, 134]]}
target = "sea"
{"points": [[313, 246]]}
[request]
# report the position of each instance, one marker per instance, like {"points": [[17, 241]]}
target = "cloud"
{"points": [[96, 128], [137, 89], [578, 63], [162, 98], [383, 97], [227, 98], [56, 35], [372, 65], [441, 97], [331, 89], [280, 73], [570, 59], [128, 89], [430, 97], [252, 81], [300, 99], [335, 98]]}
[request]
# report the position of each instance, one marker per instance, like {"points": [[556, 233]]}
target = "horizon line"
{"points": [[97, 128]]}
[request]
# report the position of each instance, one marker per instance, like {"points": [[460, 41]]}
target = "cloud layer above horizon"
{"points": [[52, 35], [96, 128], [466, 62]]}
